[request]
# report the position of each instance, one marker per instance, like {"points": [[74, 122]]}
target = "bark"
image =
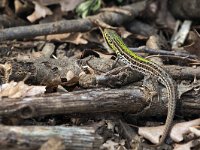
{"points": [[32, 137], [76, 25], [130, 100], [52, 72]]}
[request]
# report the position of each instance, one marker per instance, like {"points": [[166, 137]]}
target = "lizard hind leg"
{"points": [[151, 84]]}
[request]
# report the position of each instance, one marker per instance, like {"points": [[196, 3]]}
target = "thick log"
{"points": [[52, 72], [32, 137], [129, 100]]}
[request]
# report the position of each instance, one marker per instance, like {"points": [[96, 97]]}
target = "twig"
{"points": [[163, 52], [76, 25]]}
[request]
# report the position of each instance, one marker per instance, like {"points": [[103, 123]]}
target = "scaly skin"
{"points": [[147, 68]]}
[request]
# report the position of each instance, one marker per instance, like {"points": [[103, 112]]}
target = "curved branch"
{"points": [[77, 25]]}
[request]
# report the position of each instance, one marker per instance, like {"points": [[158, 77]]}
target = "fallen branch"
{"points": [[43, 74], [77, 25], [163, 52], [129, 100], [32, 137]]}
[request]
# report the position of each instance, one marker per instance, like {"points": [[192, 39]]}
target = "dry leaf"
{"points": [[48, 2], [53, 143], [194, 144], [181, 129], [124, 33], [151, 133], [72, 79], [195, 130], [185, 146], [69, 5], [76, 38], [33, 55], [70, 75], [58, 37], [13, 89], [66, 5], [35, 90], [194, 43], [111, 145], [19, 89], [40, 12]]}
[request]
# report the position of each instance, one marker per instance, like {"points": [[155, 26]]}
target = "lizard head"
{"points": [[112, 39]]}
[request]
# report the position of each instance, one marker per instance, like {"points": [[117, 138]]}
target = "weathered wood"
{"points": [[32, 137], [52, 72], [131, 100], [76, 25]]}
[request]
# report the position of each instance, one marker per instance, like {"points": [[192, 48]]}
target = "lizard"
{"points": [[146, 67]]}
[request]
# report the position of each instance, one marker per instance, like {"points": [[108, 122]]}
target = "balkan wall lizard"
{"points": [[147, 68]]}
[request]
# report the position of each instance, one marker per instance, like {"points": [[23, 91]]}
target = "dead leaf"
{"points": [[48, 2], [151, 133], [185, 146], [195, 130], [181, 129], [69, 5], [34, 55], [30, 55], [123, 32], [40, 12], [35, 90], [70, 75], [111, 145], [53, 143], [117, 10], [194, 144], [72, 79], [58, 37], [13, 89], [75, 38], [194, 43], [20, 89]]}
